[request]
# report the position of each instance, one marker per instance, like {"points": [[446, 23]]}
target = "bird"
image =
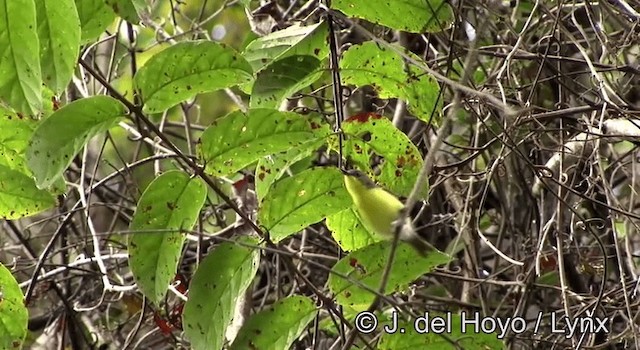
{"points": [[379, 210]]}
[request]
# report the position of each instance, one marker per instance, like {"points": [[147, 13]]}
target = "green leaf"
{"points": [[271, 168], [550, 278], [126, 9], [186, 69], [19, 195], [15, 132], [62, 135], [382, 68], [415, 16], [292, 41], [141, 5], [366, 266], [349, 232], [465, 338], [59, 33], [237, 139], [171, 202], [377, 137], [283, 78], [214, 291], [95, 16], [13, 313], [620, 228], [278, 326], [298, 201], [20, 77]]}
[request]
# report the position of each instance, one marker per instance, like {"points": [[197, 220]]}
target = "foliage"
{"points": [[170, 172], [13, 313], [170, 203]]}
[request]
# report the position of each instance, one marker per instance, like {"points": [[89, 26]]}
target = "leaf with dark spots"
{"points": [[180, 72], [223, 275], [170, 203], [241, 139], [363, 65]]}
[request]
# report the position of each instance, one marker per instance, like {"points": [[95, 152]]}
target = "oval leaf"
{"points": [[296, 202], [63, 134], [271, 168], [278, 326], [415, 16], [19, 195], [367, 265], [349, 232], [295, 40], [382, 68], [282, 79], [171, 202], [214, 291], [15, 133], [237, 139], [186, 69], [20, 77], [95, 16], [376, 137], [13, 313], [59, 33]]}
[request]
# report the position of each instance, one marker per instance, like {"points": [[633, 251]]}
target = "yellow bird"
{"points": [[379, 210]]}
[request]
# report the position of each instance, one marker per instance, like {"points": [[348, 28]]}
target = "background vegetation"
{"points": [[169, 179]]}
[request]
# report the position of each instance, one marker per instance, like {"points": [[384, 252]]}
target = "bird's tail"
{"points": [[408, 234]]}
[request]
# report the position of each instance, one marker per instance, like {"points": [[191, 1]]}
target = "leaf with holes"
{"points": [[59, 33], [417, 16], [383, 69], [349, 232], [214, 291], [186, 69], [236, 140], [20, 76], [95, 16], [298, 201], [283, 78], [375, 139], [62, 135], [278, 326], [171, 202], [367, 265], [13, 313]]}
